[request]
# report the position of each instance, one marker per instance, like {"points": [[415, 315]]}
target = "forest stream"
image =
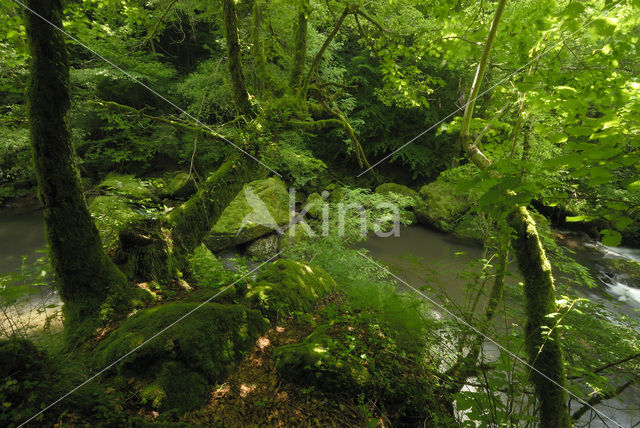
{"points": [[419, 255]]}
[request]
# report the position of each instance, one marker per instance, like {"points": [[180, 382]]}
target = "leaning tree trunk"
{"points": [[234, 58], [545, 353], [316, 61], [85, 276]]}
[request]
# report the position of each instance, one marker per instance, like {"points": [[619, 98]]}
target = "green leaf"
{"points": [[578, 218], [611, 238], [604, 26], [573, 10]]}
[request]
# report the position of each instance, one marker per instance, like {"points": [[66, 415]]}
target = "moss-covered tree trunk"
{"points": [[155, 250], [545, 354], [300, 53], [85, 276], [259, 55], [234, 58]]}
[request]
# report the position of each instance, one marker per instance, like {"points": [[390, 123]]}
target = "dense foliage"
{"points": [[184, 114]]}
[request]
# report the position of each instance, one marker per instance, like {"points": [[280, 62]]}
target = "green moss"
{"points": [[111, 213], [471, 226], [442, 205], [257, 210], [399, 189], [288, 286], [353, 355], [196, 352], [127, 186], [191, 221], [181, 186], [209, 275], [31, 377], [544, 350], [176, 386], [314, 205], [316, 355], [206, 270], [146, 252]]}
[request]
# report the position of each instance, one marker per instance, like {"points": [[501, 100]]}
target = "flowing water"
{"points": [[421, 256]]}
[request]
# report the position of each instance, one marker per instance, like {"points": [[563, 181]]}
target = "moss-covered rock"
{"points": [[145, 251], [264, 248], [288, 286], [442, 205], [181, 186], [337, 194], [175, 369], [260, 208], [205, 268], [314, 205], [110, 214], [471, 226], [398, 189], [127, 186]]}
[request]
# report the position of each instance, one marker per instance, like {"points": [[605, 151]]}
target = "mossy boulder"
{"points": [[127, 186], [180, 186], [338, 194], [442, 205], [261, 207], [110, 214], [472, 227], [288, 286], [205, 268], [399, 189], [264, 248], [175, 369], [314, 204], [145, 251]]}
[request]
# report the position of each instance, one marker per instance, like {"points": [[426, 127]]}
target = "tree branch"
{"points": [[615, 363], [597, 399], [198, 130]]}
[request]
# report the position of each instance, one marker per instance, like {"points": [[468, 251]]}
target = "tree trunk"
{"points": [[545, 354], [320, 54], [234, 59], [300, 53], [85, 276], [258, 46]]}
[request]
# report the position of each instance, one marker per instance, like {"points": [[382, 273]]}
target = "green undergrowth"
{"points": [[32, 378], [353, 354]]}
